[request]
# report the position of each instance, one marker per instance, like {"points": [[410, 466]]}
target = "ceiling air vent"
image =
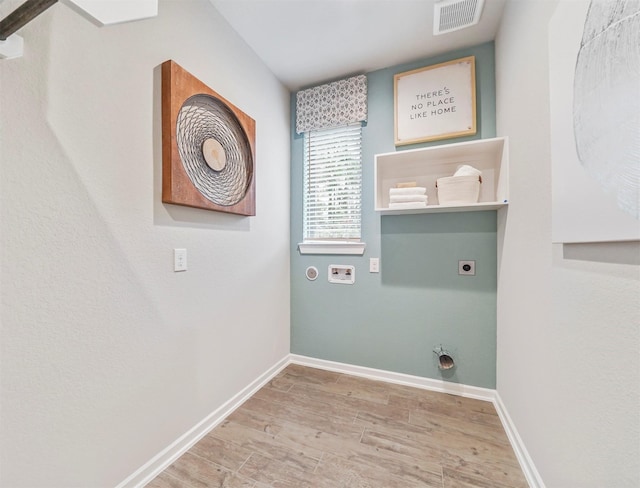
{"points": [[452, 15]]}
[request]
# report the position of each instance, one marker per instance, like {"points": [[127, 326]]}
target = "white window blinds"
{"points": [[333, 183]]}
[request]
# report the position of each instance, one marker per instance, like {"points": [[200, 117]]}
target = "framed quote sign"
{"points": [[435, 102]]}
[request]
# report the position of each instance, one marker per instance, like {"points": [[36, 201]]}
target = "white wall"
{"points": [[108, 355], [568, 317]]}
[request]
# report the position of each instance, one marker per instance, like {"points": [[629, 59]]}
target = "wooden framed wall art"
{"points": [[208, 147], [435, 102]]}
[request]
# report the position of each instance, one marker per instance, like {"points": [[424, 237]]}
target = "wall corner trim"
{"points": [[526, 463]]}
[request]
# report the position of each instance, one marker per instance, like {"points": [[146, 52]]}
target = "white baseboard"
{"points": [[526, 463], [478, 393], [181, 445]]}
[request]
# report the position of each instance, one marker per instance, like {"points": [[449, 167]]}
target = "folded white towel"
{"points": [[407, 205], [416, 190], [407, 198], [466, 170]]}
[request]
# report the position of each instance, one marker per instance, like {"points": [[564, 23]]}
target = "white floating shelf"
{"points": [[425, 165], [474, 207]]}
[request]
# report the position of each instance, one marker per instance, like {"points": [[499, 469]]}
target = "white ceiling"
{"points": [[307, 42]]}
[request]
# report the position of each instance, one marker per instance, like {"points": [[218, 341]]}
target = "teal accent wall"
{"points": [[394, 319]]}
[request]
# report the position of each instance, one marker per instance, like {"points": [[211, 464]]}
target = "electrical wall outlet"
{"points": [[374, 265], [467, 268], [179, 259]]}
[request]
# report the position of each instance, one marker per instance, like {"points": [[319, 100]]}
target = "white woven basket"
{"points": [[458, 190]]}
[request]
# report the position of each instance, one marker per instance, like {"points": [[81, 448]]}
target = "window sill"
{"points": [[331, 247]]}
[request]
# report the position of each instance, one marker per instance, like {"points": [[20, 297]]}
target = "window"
{"points": [[332, 183]]}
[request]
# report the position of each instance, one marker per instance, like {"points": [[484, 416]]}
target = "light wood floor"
{"points": [[310, 428]]}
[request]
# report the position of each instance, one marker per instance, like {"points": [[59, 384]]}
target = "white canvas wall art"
{"points": [[594, 71]]}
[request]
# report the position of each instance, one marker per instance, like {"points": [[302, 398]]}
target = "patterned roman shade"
{"points": [[334, 104]]}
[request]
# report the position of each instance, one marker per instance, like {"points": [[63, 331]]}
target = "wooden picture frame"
{"points": [[435, 102], [208, 147]]}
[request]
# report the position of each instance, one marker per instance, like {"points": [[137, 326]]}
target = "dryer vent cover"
{"points": [[453, 15]]}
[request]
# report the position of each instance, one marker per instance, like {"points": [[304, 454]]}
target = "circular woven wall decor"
{"points": [[214, 149]]}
